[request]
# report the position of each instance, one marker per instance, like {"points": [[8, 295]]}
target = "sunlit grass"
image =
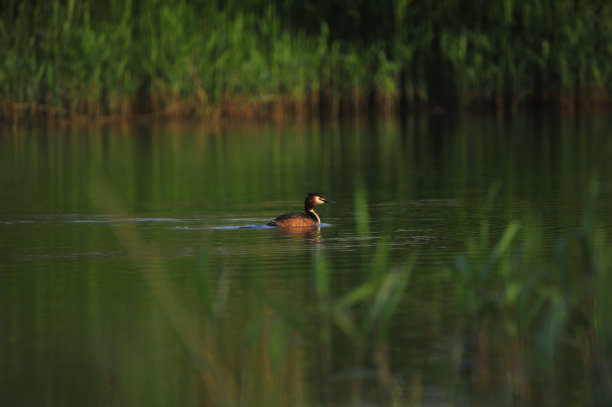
{"points": [[177, 58]]}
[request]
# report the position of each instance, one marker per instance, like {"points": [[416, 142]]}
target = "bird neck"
{"points": [[312, 214]]}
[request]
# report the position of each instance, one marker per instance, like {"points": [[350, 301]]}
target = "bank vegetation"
{"points": [[121, 59]]}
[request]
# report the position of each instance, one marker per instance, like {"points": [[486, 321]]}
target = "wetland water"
{"points": [[135, 271]]}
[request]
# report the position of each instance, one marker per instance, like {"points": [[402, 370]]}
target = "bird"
{"points": [[298, 219]]}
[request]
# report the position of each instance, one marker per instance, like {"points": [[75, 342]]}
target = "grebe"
{"points": [[298, 219]]}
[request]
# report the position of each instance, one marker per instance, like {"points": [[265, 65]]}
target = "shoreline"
{"points": [[251, 111]]}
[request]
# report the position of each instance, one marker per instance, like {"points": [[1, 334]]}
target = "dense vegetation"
{"points": [[67, 57]]}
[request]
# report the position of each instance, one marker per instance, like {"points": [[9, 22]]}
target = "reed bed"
{"points": [[64, 58]]}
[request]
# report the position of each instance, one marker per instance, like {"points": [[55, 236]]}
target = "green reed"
{"points": [[519, 312], [177, 57], [538, 311]]}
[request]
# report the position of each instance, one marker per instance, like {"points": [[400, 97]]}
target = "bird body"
{"points": [[299, 219]]}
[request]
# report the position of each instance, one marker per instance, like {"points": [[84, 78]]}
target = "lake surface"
{"points": [[136, 268]]}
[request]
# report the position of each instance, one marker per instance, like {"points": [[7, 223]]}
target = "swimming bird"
{"points": [[298, 219]]}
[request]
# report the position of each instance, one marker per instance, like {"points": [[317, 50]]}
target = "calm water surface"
{"points": [[135, 268]]}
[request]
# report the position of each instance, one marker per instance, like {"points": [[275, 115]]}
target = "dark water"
{"points": [[135, 268]]}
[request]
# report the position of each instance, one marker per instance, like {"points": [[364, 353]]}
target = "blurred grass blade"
{"points": [[507, 238]]}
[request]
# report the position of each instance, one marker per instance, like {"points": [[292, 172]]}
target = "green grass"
{"points": [[69, 58], [526, 315], [520, 313]]}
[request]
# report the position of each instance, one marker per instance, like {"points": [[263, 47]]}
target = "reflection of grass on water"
{"points": [[523, 321]]}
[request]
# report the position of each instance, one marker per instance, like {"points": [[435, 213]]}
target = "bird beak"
{"points": [[328, 201]]}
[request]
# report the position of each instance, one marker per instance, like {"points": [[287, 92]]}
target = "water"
{"points": [[136, 268]]}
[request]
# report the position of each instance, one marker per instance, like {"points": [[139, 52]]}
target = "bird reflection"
{"points": [[313, 233]]}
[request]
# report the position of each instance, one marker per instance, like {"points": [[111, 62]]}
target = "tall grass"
{"points": [[523, 315], [519, 311], [184, 58], [259, 355], [532, 329]]}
